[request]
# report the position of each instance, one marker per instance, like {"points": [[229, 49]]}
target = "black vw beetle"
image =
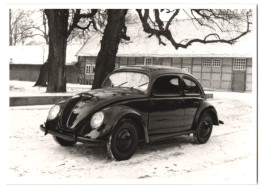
{"points": [[135, 103]]}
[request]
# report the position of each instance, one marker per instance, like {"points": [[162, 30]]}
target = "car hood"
{"points": [[77, 109]]}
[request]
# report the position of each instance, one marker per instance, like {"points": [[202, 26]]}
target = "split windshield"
{"points": [[133, 80]]}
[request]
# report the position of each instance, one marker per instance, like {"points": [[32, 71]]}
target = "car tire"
{"points": [[122, 143], [63, 142], [204, 129]]}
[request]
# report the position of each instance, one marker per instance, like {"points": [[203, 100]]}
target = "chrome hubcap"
{"points": [[124, 140], [205, 129]]}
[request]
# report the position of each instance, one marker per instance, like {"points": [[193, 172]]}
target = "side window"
{"points": [[167, 85], [190, 87]]}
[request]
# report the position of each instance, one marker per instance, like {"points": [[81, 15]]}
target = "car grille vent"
{"points": [[71, 119], [67, 110]]}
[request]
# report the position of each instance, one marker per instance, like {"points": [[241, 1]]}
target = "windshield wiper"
{"points": [[143, 84], [139, 85], [121, 84]]}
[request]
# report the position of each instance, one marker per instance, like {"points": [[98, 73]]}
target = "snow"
{"points": [[25, 88], [23, 54], [229, 157]]}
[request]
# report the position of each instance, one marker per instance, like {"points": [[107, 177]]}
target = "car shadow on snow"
{"points": [[99, 153], [165, 145], [89, 151]]}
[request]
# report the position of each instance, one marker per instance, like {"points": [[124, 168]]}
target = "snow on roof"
{"points": [[142, 46], [39, 54]]}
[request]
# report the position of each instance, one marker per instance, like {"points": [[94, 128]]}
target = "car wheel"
{"points": [[63, 142], [204, 129], [122, 143]]}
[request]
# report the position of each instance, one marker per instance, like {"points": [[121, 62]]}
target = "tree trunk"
{"points": [[113, 33], [10, 28], [43, 76], [58, 24]]}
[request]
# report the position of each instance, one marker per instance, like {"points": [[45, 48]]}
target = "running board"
{"points": [[157, 137]]}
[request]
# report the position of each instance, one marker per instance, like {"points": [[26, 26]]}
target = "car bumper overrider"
{"points": [[69, 136]]}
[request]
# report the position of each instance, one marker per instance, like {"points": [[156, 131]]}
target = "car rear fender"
{"points": [[205, 107], [114, 114]]}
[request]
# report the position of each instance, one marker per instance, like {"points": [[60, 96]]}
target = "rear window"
{"points": [[190, 87]]}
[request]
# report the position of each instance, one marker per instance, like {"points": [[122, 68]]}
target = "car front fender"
{"points": [[112, 115]]}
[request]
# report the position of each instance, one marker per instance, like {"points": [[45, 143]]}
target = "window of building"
{"points": [[216, 62], [167, 85], [239, 64], [89, 69], [148, 61], [206, 62]]}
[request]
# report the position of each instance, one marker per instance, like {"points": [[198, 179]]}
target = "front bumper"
{"points": [[68, 136]]}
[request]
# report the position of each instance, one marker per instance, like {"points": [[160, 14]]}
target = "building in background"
{"points": [[216, 66], [25, 62]]}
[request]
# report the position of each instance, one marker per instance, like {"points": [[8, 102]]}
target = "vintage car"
{"points": [[136, 103]]}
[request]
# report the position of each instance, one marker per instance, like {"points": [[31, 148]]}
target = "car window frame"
{"points": [[152, 95], [197, 84]]}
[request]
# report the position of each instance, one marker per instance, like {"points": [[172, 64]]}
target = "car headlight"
{"points": [[54, 112], [97, 120]]}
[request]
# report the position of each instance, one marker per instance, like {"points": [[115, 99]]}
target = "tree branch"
{"points": [[208, 15], [124, 36], [76, 18], [158, 19]]}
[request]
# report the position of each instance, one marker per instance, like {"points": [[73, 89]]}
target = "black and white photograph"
{"points": [[131, 93]]}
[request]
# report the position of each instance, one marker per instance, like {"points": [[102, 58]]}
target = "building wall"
{"points": [[24, 72], [84, 77], [249, 75], [72, 74], [29, 72], [216, 78], [226, 77]]}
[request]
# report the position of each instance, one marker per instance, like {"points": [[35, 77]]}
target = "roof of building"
{"points": [[39, 54], [142, 46]]}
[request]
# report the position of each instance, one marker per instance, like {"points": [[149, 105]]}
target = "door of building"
{"points": [[239, 81], [239, 75]]}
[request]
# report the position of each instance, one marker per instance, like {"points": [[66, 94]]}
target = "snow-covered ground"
{"points": [[229, 157], [25, 88]]}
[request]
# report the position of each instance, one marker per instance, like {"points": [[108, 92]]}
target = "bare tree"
{"points": [[58, 24], [115, 31], [219, 21], [59, 31], [85, 26], [75, 31], [20, 26], [25, 25]]}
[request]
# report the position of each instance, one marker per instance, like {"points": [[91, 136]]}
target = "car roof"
{"points": [[153, 70]]}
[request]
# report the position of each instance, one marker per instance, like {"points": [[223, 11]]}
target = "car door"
{"points": [[166, 113], [191, 100]]}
